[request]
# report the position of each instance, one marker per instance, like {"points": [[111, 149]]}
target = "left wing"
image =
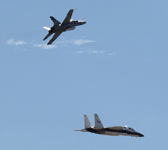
{"points": [[68, 17], [47, 36], [54, 37]]}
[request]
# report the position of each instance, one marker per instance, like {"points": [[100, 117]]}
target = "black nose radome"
{"points": [[83, 22], [141, 135]]}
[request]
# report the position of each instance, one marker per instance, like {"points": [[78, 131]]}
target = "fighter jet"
{"points": [[112, 131], [67, 25]]}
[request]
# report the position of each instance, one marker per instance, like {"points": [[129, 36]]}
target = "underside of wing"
{"points": [[54, 37], [68, 17], [47, 36]]}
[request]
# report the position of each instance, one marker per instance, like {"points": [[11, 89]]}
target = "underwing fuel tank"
{"points": [[69, 29]]}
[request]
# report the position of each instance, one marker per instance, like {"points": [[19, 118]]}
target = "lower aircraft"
{"points": [[112, 131]]}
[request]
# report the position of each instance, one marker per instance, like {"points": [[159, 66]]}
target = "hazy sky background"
{"points": [[115, 65]]}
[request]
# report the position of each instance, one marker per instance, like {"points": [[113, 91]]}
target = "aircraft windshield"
{"points": [[128, 128], [73, 20]]}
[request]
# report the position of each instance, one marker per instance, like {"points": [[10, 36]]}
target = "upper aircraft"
{"points": [[113, 131], [58, 28]]}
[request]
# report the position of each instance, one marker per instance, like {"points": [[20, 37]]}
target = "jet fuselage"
{"points": [[66, 27], [113, 132]]}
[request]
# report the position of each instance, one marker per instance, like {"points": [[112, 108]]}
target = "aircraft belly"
{"points": [[111, 133], [134, 135], [69, 29], [56, 29]]}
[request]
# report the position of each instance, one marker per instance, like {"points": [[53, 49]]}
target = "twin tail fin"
{"points": [[98, 123]]}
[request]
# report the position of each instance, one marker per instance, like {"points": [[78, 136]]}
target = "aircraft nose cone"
{"points": [[84, 22], [141, 135]]}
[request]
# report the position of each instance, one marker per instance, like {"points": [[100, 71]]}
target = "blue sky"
{"points": [[115, 65]]}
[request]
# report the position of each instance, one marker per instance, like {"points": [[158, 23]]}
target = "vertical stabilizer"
{"points": [[98, 123], [87, 122], [56, 22]]}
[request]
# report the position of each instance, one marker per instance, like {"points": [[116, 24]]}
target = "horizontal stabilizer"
{"points": [[47, 28], [83, 130]]}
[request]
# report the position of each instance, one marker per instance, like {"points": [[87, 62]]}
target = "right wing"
{"points": [[56, 22], [54, 37], [68, 17]]}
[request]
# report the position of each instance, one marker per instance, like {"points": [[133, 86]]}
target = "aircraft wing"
{"points": [[68, 17], [54, 37], [56, 22], [47, 36]]}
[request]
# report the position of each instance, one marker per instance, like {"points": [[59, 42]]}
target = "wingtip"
{"points": [[73, 9]]}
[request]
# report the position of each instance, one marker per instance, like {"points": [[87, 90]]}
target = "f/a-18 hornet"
{"points": [[113, 131], [67, 25]]}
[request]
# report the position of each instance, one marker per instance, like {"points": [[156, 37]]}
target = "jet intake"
{"points": [[69, 29]]}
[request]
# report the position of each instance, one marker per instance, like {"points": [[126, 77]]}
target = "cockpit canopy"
{"points": [[73, 20], [128, 128], [80, 21], [76, 20]]}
